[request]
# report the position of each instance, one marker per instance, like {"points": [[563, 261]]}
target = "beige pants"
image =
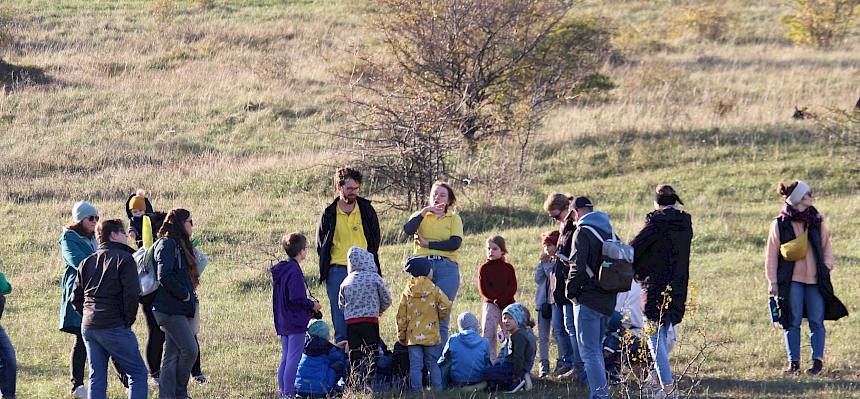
{"points": [[491, 320]]}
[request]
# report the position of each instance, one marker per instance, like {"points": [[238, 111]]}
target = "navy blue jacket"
{"points": [[176, 294]]}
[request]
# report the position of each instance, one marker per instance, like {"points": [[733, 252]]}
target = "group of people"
{"points": [[569, 301], [102, 290]]}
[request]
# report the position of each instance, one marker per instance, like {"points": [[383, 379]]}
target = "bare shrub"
{"points": [[460, 74], [843, 127], [820, 23]]}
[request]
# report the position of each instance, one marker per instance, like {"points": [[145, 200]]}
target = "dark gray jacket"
{"points": [[588, 253], [107, 288]]}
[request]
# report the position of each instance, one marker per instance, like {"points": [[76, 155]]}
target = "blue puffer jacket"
{"points": [[321, 366], [469, 354]]}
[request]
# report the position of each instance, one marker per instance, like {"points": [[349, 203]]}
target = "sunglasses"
{"points": [[93, 218], [190, 221]]}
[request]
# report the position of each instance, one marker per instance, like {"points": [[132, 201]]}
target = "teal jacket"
{"points": [[75, 249]]}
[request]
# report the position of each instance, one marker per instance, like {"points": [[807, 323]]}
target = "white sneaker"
{"points": [[80, 392]]}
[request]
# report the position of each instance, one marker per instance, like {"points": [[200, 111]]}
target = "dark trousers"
{"points": [[155, 344], [363, 339], [78, 364], [501, 376]]}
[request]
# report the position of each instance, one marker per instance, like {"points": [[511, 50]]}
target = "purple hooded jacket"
{"points": [[290, 302]]}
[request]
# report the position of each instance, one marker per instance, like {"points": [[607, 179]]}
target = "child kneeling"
{"points": [[516, 359], [322, 363], [421, 307], [466, 354]]}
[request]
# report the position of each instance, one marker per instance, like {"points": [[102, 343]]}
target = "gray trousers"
{"points": [[180, 353]]}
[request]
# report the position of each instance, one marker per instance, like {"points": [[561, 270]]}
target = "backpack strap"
{"points": [[602, 241]]}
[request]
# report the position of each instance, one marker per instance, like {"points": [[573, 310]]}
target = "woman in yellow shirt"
{"points": [[438, 232]]}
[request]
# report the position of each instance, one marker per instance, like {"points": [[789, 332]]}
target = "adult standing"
{"points": [[798, 262], [662, 266], [348, 221], [77, 243], [106, 296], [558, 207], [175, 302], [438, 232], [593, 306]]}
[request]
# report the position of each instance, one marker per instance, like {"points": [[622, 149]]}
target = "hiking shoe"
{"points": [[793, 368], [201, 379], [817, 366], [559, 371], [79, 392]]}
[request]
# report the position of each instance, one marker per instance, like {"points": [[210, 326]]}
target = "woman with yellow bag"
{"points": [[798, 262]]}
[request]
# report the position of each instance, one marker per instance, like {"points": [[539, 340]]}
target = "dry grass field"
{"points": [[217, 106]]}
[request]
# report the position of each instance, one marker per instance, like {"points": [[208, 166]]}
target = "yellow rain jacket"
{"points": [[421, 307]]}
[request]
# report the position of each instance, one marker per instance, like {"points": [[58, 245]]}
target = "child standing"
{"points": [[291, 308], [421, 307], [512, 371], [543, 298], [363, 297], [467, 353], [322, 364], [497, 281]]}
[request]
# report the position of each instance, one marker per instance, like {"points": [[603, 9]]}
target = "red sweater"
{"points": [[497, 281]]}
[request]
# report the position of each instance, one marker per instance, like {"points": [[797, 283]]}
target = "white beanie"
{"points": [[797, 194], [83, 210]]}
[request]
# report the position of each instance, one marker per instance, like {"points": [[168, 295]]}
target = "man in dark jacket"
{"points": [[593, 306], [349, 221], [106, 295]]}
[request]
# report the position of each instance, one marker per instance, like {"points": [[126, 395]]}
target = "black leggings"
{"points": [[155, 344]]}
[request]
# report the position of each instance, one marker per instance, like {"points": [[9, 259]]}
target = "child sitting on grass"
{"points": [[322, 364], [421, 307], [497, 282], [363, 297], [512, 371], [466, 354]]}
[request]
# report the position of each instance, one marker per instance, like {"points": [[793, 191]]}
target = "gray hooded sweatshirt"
{"points": [[363, 293]]}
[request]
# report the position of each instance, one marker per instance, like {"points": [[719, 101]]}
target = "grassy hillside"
{"points": [[218, 110]]}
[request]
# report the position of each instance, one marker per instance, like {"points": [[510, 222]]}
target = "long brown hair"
{"points": [[174, 228]]}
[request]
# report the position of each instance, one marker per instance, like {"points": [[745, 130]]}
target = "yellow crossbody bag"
{"points": [[795, 249]]}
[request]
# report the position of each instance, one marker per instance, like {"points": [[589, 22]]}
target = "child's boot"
{"points": [[817, 366], [793, 367]]}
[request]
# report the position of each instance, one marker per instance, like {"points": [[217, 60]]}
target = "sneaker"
{"points": [[571, 374], [559, 371], [817, 366], [201, 379], [793, 368], [528, 379], [519, 387], [79, 392]]}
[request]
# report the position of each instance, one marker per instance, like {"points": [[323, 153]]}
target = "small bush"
{"points": [[820, 23], [164, 12], [703, 23], [632, 40]]}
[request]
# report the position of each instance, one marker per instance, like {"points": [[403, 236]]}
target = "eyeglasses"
{"points": [[556, 217], [93, 218]]}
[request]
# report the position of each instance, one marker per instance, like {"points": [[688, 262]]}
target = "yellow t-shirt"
{"points": [[434, 228], [348, 232]]}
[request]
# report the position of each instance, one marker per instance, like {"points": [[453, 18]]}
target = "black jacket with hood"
{"points": [[325, 234], [661, 259], [588, 253]]}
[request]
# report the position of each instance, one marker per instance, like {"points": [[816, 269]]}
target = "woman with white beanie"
{"points": [[77, 243], [798, 262]]}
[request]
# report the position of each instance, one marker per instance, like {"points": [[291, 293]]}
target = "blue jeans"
{"points": [[565, 335], [336, 275], [8, 366], [419, 358], [660, 354], [805, 296], [590, 330], [446, 276], [120, 344]]}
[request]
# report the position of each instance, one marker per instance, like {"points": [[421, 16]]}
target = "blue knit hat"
{"points": [[318, 328], [83, 210], [518, 312], [417, 266], [467, 321]]}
